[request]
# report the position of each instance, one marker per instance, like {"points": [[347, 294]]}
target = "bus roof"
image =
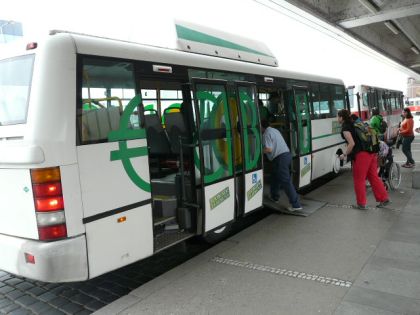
{"points": [[94, 45], [107, 47], [207, 41], [379, 88]]}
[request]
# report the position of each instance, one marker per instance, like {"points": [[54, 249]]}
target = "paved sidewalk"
{"points": [[339, 260]]}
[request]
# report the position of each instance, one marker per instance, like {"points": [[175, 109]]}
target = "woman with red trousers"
{"points": [[364, 165]]}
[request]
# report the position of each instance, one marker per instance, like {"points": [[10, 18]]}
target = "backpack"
{"points": [[367, 136]]}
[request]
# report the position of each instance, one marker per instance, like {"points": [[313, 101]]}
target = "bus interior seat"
{"points": [[100, 122], [176, 127], [157, 139]]}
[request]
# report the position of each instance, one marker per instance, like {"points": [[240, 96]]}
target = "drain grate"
{"points": [[284, 272]]}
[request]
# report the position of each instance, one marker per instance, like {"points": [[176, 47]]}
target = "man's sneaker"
{"points": [[291, 209], [360, 207], [406, 165], [383, 204]]}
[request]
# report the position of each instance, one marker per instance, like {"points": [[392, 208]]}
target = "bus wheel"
{"points": [[336, 164], [218, 235]]}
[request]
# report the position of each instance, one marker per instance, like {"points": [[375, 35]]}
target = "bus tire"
{"points": [[336, 162], [217, 235]]}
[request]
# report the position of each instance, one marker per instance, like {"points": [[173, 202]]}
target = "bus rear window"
{"points": [[15, 83]]}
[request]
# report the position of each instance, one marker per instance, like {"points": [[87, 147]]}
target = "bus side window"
{"points": [[96, 124], [107, 87], [315, 103]]}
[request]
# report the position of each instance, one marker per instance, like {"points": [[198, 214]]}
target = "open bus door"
{"points": [[248, 152], [229, 154], [297, 101], [213, 157]]}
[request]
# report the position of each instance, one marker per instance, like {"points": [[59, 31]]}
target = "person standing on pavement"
{"points": [[278, 153], [407, 133], [376, 123], [364, 165]]}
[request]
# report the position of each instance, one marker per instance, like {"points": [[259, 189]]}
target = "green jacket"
{"points": [[375, 123]]}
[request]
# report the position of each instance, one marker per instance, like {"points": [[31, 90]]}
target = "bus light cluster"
{"points": [[49, 203]]}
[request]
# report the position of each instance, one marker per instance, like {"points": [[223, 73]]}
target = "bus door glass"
{"points": [[380, 104], [372, 100], [387, 102], [300, 122], [214, 158], [251, 148]]}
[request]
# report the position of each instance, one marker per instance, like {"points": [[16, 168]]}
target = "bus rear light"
{"points": [[49, 204], [53, 232], [32, 45], [47, 190], [50, 218], [30, 259], [45, 175]]}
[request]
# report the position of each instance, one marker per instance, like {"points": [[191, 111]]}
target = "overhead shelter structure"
{"points": [[391, 27]]}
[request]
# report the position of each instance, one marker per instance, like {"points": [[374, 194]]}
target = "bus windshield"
{"points": [[15, 83]]}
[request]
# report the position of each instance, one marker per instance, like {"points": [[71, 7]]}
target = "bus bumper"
{"points": [[58, 261]]}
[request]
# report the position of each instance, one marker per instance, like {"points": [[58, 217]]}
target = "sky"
{"points": [[299, 43]]}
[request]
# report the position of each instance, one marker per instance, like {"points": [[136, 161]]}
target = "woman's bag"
{"points": [[398, 141]]}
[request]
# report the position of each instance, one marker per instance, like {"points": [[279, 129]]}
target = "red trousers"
{"points": [[365, 166]]}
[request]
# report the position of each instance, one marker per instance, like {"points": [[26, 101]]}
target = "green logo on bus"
{"points": [[253, 191], [305, 169], [124, 153], [219, 198]]}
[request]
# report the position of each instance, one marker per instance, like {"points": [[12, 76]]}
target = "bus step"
{"points": [[164, 206], [169, 238], [162, 220]]}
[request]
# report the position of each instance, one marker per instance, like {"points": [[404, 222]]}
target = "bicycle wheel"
{"points": [[394, 176]]}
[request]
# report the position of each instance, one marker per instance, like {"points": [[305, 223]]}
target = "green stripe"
{"points": [[195, 36], [126, 134], [325, 136], [128, 153]]}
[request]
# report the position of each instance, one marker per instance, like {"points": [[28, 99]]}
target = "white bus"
{"points": [[413, 104], [111, 151], [364, 98]]}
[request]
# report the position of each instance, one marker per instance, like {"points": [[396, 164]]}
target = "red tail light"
{"points": [[47, 190], [49, 203], [49, 233], [29, 258], [32, 45]]}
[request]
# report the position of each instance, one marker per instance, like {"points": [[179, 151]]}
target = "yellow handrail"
{"points": [[97, 100]]}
